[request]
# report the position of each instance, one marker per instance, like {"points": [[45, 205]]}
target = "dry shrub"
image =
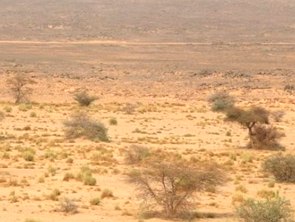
{"points": [[81, 125], [282, 167]]}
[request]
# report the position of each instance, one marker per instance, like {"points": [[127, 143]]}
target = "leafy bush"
{"points": [[221, 101], [276, 209], [81, 125], [84, 99], [282, 167]]}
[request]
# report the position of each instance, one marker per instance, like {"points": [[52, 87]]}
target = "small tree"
{"points": [[262, 135], [248, 118], [172, 185], [19, 87], [84, 99], [256, 119]]}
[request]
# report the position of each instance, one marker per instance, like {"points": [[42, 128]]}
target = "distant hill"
{"points": [[149, 20]]}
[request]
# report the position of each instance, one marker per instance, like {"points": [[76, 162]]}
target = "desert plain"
{"points": [[152, 86]]}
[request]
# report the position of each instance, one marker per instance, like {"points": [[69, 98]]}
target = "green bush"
{"points": [[282, 167], [276, 209]]}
